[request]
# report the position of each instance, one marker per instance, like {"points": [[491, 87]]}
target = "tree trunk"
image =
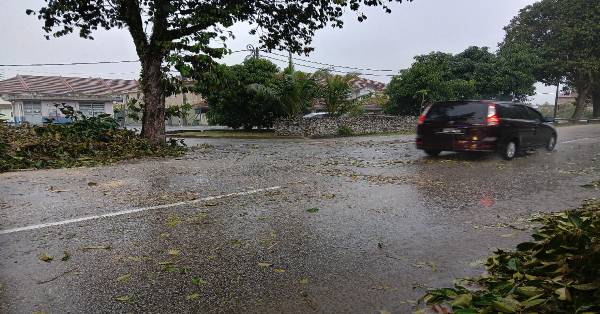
{"points": [[581, 102], [153, 119], [596, 102]]}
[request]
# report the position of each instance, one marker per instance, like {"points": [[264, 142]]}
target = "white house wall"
{"points": [[49, 110]]}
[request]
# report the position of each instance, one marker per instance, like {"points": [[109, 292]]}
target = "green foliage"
{"points": [[564, 36], [334, 91], [85, 142], [556, 273], [247, 96], [296, 91], [473, 73], [345, 130], [254, 94], [135, 109]]}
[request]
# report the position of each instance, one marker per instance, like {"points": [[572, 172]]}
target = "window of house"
{"points": [[32, 108], [91, 109]]}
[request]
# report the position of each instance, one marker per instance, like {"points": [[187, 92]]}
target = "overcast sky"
{"points": [[383, 41]]}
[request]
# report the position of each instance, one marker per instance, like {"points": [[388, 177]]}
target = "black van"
{"points": [[483, 126]]}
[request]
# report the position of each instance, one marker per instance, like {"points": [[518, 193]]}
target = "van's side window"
{"points": [[534, 115], [509, 112]]}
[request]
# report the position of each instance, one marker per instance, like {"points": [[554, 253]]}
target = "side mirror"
{"points": [[548, 120]]}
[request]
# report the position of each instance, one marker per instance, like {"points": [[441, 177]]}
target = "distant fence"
{"points": [[330, 126]]}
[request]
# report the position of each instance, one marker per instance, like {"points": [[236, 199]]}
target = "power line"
{"points": [[71, 63], [333, 65], [84, 63], [336, 71]]}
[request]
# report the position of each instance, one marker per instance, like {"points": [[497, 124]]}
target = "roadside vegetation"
{"points": [[87, 141], [475, 73], [256, 93], [555, 273]]}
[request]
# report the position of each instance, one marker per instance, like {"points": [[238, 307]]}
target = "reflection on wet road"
{"points": [[385, 223]]}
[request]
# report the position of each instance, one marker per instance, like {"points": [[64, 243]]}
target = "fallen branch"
{"points": [[56, 277]]}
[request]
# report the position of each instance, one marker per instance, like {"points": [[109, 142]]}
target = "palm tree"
{"points": [[335, 90]]}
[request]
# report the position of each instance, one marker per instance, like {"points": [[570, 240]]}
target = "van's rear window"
{"points": [[469, 112]]}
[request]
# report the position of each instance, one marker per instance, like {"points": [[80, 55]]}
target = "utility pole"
{"points": [[556, 101]]}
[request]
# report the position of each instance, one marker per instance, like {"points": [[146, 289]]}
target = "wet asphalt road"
{"points": [[390, 223]]}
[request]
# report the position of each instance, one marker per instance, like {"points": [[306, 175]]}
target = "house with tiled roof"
{"points": [[362, 87], [34, 99]]}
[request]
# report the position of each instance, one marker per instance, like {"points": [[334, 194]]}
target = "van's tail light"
{"points": [[423, 115], [492, 117]]}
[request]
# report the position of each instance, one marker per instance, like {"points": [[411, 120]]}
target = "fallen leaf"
{"points": [[44, 257], [173, 221], [312, 210], [125, 278], [264, 264], [52, 189], [92, 184], [66, 256], [279, 270], [124, 299], [199, 281], [192, 296], [563, 294], [304, 281]]}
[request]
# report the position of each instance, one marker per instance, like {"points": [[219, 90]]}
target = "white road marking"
{"points": [[577, 140], [134, 210]]}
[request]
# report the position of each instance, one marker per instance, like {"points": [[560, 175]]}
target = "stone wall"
{"points": [[329, 126]]}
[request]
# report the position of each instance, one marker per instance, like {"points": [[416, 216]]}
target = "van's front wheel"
{"points": [[509, 151]]}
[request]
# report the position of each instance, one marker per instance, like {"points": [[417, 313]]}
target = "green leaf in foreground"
{"points": [[555, 273], [312, 210]]}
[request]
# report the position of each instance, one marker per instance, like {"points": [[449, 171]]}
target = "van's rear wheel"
{"points": [[432, 152], [510, 150]]}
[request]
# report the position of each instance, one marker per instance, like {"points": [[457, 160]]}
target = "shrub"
{"points": [[85, 142], [345, 130]]}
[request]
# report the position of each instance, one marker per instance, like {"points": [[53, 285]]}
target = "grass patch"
{"points": [[555, 273]]}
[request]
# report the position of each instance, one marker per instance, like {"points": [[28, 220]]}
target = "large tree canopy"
{"points": [[189, 34], [473, 73], [564, 35]]}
